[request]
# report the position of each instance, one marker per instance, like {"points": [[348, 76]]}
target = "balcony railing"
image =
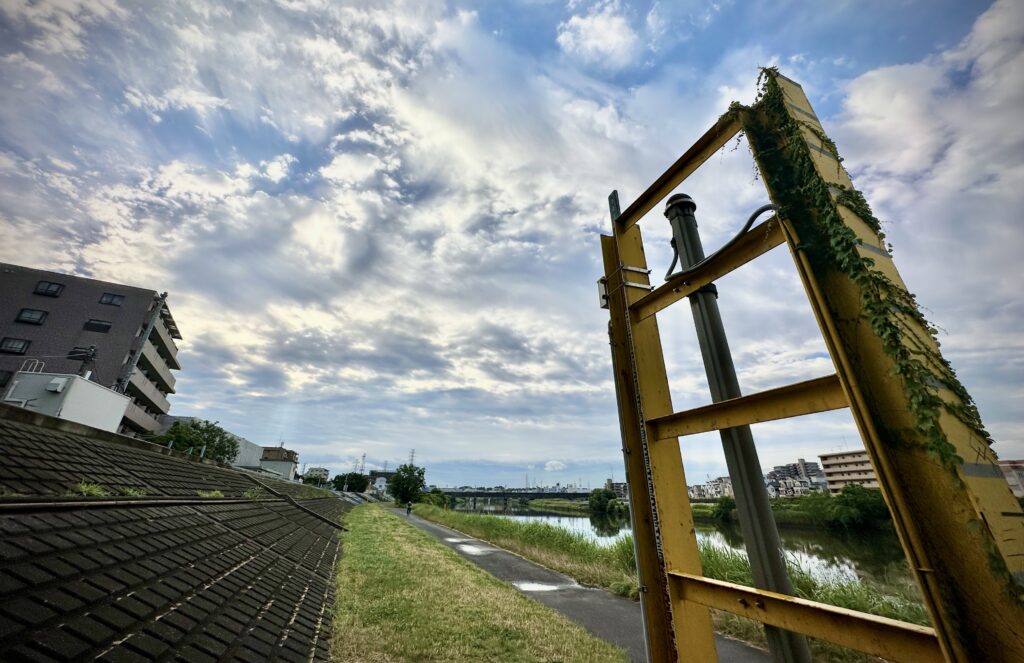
{"points": [[165, 345], [147, 392], [140, 420], [157, 367]]}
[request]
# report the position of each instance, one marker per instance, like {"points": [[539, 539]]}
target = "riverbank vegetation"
{"points": [[854, 509], [402, 596], [568, 507], [614, 568]]}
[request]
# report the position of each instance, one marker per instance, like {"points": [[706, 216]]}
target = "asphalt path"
{"points": [[609, 617]]}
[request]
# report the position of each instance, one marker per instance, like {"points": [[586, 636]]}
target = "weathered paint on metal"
{"points": [[879, 636], [818, 395]]}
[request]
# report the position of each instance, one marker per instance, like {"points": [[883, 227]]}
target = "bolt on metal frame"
{"points": [[952, 538]]}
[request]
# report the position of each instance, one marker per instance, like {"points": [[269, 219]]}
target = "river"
{"points": [[875, 556]]}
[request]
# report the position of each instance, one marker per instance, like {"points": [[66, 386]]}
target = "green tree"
{"points": [[193, 435], [856, 506], [723, 509], [407, 483], [599, 500], [356, 482], [436, 497]]}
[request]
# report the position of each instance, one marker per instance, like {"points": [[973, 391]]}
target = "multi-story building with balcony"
{"points": [[122, 336], [845, 467], [801, 469]]}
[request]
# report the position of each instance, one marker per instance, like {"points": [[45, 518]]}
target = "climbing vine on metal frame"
{"points": [[892, 312]]}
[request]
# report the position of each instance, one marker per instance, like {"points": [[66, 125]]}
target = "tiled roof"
{"points": [[165, 576]]}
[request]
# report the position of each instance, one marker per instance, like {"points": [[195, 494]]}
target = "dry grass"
{"points": [[404, 597]]}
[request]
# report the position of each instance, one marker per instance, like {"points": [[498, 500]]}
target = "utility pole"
{"points": [[757, 523], [133, 360]]}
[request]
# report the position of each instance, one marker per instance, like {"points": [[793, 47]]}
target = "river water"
{"points": [[875, 556]]}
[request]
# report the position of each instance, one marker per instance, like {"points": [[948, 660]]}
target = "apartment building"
{"points": [[121, 336], [845, 467], [801, 469]]}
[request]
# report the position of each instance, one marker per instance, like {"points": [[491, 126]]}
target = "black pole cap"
{"points": [[683, 200]]}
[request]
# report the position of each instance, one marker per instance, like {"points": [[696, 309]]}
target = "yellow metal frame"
{"points": [[950, 536]]}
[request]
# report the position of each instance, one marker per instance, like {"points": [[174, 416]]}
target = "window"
{"points": [[49, 289], [14, 346], [31, 316], [111, 299], [78, 353], [101, 326]]}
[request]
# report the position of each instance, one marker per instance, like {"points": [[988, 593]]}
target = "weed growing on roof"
{"points": [[209, 493], [85, 489]]}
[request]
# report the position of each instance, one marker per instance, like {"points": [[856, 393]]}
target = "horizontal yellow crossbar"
{"points": [[752, 244], [817, 395], [879, 636], [699, 152]]}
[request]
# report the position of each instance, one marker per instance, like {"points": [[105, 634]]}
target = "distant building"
{"points": [[379, 481], [618, 487], [846, 467], [121, 335], [280, 460], [712, 490], [801, 469], [318, 474], [1014, 472]]}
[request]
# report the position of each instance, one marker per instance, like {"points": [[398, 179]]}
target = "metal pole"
{"points": [[133, 361], [757, 523]]}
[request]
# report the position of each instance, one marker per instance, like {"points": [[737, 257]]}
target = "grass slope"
{"points": [[402, 596]]}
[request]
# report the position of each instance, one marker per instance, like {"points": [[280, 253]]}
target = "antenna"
{"points": [[385, 466], [412, 457], [362, 464]]}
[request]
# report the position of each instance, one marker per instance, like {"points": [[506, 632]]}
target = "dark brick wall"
{"points": [[62, 329]]}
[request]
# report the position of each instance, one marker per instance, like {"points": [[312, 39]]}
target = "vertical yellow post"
{"points": [[643, 395], [960, 526]]}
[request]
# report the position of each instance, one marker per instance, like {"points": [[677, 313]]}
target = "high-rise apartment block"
{"points": [[801, 469], [845, 467], [122, 336]]}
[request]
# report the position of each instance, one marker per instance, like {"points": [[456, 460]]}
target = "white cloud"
{"points": [[348, 168], [554, 466], [276, 169], [603, 37]]}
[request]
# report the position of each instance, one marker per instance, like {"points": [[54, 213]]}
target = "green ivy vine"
{"points": [[892, 313]]}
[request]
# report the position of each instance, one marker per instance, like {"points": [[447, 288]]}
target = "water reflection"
{"points": [[876, 556]]}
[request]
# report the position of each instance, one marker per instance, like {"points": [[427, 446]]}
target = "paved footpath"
{"points": [[609, 617]]}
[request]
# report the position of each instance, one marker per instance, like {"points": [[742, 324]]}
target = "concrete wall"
{"points": [[283, 467], [78, 399]]}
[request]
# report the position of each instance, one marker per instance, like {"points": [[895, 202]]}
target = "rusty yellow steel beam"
{"points": [[963, 533], [654, 600], [794, 400], [878, 636], [713, 139], [754, 243], [644, 371]]}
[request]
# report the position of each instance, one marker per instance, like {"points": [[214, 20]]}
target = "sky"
{"points": [[378, 222]]}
